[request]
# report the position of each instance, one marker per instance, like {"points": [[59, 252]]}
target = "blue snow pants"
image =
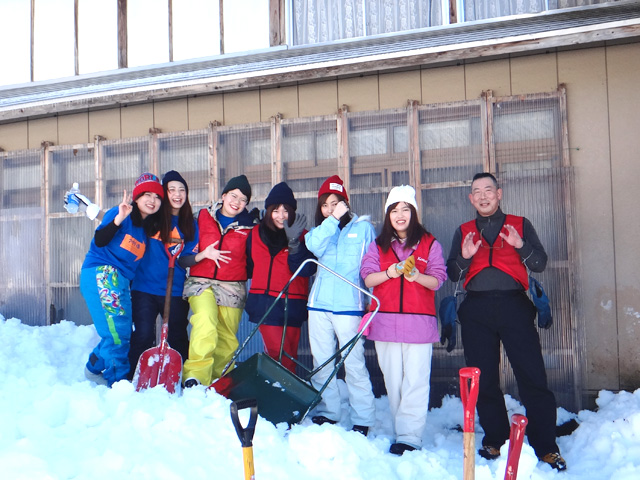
{"points": [[106, 292]]}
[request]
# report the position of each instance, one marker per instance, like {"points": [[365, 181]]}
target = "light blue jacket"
{"points": [[342, 252]]}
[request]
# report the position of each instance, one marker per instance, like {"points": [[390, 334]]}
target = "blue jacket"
{"points": [[124, 251], [151, 276], [342, 252]]}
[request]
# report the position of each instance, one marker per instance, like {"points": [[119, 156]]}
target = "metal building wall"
{"points": [[22, 285]]}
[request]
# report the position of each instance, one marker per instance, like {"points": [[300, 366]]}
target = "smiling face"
{"points": [[400, 216], [148, 204], [233, 202], [329, 205], [485, 196], [279, 216], [177, 195]]}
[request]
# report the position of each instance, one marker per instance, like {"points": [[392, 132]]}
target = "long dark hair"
{"points": [[267, 221], [415, 231], [185, 219], [322, 199], [151, 224]]}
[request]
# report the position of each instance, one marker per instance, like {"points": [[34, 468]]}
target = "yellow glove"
{"points": [[407, 267]]}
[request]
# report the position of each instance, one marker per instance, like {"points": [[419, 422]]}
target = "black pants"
{"points": [[145, 308], [487, 319]]}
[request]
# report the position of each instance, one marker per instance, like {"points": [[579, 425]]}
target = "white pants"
{"points": [[324, 327], [407, 371]]}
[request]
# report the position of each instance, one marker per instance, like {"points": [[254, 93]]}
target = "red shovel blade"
{"points": [[223, 386], [156, 367]]}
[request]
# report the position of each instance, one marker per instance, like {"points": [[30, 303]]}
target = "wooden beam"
{"points": [[170, 7], [123, 55], [32, 47], [75, 38], [276, 149], [453, 12], [415, 168], [221, 24], [276, 22]]}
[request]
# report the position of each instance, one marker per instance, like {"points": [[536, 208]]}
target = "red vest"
{"points": [[398, 295], [501, 256], [271, 274], [234, 240]]}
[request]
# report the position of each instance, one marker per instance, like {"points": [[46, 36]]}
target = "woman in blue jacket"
{"points": [[116, 249], [339, 241], [149, 286]]}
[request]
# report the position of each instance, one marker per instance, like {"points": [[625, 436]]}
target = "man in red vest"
{"points": [[489, 255]]}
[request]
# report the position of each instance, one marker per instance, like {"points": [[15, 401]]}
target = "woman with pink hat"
{"points": [[116, 249], [405, 267], [339, 241]]}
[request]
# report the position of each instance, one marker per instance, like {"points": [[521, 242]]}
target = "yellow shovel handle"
{"points": [[247, 456]]}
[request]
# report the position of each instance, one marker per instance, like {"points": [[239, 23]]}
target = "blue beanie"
{"points": [[281, 194]]}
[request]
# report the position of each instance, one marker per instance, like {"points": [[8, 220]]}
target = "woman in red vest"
{"points": [[405, 267], [216, 287], [275, 250]]}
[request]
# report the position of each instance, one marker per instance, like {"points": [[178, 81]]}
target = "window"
{"points": [[319, 21]]}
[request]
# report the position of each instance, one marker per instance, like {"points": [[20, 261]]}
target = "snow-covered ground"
{"points": [[56, 425]]}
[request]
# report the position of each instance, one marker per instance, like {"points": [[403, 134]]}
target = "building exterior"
{"points": [[546, 101]]}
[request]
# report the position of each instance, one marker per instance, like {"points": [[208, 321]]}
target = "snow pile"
{"points": [[56, 425]]}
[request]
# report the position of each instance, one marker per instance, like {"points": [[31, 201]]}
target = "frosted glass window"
{"points": [[97, 35], [258, 151], [326, 146], [515, 127], [148, 31], [445, 135], [54, 39], [15, 61], [298, 148], [246, 25], [368, 142], [196, 31]]}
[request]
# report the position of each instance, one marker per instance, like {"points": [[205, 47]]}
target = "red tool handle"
{"points": [[516, 437], [469, 384], [179, 245]]}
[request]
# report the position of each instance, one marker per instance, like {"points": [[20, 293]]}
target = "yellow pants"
{"points": [[213, 338]]}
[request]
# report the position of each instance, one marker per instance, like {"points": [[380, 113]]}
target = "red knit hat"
{"points": [[335, 185], [148, 182]]}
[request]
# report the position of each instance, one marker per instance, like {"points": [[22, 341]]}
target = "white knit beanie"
{"points": [[403, 193]]}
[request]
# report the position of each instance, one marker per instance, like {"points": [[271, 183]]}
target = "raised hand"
{"points": [[469, 248], [124, 209], [340, 210], [513, 238], [295, 230], [212, 253]]}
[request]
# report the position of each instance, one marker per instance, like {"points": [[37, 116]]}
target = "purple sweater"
{"points": [[397, 327]]}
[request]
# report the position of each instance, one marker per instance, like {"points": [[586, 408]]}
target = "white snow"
{"points": [[54, 424]]}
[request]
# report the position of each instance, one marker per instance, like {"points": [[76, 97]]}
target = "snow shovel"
{"points": [[469, 384], [162, 365], [516, 437], [281, 395], [245, 434]]}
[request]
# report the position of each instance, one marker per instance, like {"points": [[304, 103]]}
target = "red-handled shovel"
{"points": [[516, 437], [469, 384], [162, 365]]}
